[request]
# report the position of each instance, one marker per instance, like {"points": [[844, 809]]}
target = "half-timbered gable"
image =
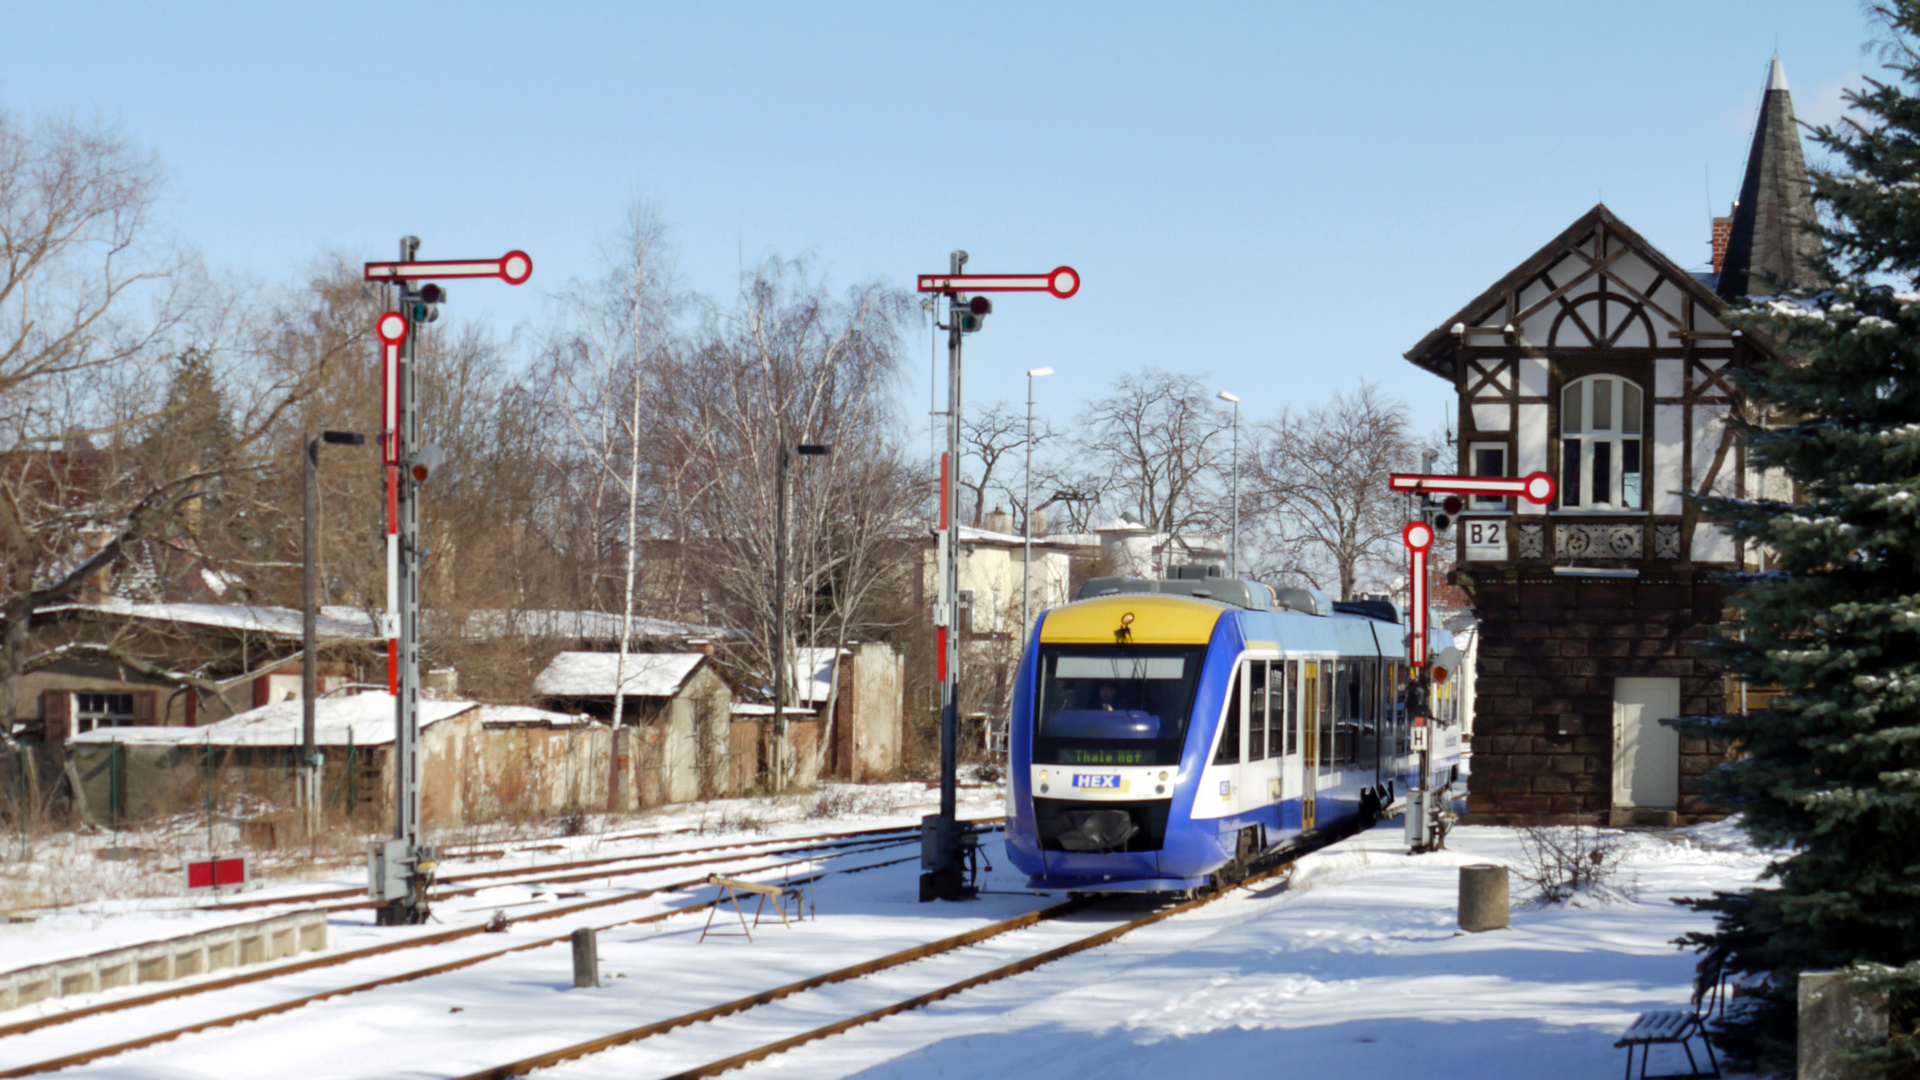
{"points": [[1602, 363]]}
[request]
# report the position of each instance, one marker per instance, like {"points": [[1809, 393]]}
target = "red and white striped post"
{"points": [[392, 331]]}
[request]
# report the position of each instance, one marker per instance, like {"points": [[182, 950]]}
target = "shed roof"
{"points": [[592, 674], [360, 720]]}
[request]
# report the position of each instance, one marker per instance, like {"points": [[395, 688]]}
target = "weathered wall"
{"points": [[1549, 652], [869, 720]]}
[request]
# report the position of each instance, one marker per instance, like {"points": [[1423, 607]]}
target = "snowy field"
{"points": [[1351, 966]]}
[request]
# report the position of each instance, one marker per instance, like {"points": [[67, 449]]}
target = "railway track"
{"points": [[842, 844], [985, 954], [577, 868], [1274, 867]]}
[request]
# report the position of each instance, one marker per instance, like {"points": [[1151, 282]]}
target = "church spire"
{"points": [[1769, 244]]}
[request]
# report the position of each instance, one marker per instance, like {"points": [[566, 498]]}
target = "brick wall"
{"points": [[1550, 651]]}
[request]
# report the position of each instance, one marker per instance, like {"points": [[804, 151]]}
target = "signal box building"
{"points": [[1601, 362]]}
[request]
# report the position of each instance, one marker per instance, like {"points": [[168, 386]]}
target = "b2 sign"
{"points": [[1486, 538]]}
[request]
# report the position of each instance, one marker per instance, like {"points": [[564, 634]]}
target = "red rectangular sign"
{"points": [[217, 873]]}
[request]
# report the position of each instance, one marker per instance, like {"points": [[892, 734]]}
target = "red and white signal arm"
{"points": [[1536, 488], [1061, 281], [1418, 536], [514, 268]]}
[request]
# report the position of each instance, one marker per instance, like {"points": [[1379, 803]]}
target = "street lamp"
{"points": [[1233, 543], [1026, 570], [309, 671], [780, 670]]}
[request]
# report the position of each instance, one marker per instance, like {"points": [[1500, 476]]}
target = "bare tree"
{"points": [[787, 364], [1160, 441], [996, 438], [87, 294], [1317, 489]]}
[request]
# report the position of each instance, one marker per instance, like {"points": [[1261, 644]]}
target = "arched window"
{"points": [[1601, 448]]}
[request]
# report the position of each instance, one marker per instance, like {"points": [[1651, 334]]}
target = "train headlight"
{"points": [[1163, 774], [1043, 776]]}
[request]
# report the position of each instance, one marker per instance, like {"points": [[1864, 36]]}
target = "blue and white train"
{"points": [[1167, 733]]}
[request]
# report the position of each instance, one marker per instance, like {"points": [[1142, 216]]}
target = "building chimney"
{"points": [[1039, 523], [998, 520], [1722, 231]]}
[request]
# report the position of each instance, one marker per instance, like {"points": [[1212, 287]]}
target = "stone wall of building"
{"points": [[1550, 650]]}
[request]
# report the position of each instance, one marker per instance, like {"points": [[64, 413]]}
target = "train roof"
{"points": [[1185, 610]]}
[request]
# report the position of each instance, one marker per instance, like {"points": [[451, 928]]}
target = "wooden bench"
{"points": [[1679, 1026], [731, 890]]}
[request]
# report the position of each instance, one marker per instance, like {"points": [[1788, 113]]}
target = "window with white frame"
{"points": [[1601, 447], [1488, 459], [102, 711]]}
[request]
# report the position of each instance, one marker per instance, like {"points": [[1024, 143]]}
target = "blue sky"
{"points": [[1284, 196]]}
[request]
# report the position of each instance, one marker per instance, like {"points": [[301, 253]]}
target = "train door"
{"points": [[1260, 746], [1310, 699], [1284, 702], [1226, 753]]}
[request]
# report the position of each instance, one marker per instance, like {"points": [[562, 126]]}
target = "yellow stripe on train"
{"points": [[1157, 620]]}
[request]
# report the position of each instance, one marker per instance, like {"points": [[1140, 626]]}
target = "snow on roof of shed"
{"points": [[362, 720], [581, 625], [591, 674], [330, 622]]}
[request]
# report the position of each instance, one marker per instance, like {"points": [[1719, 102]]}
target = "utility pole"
{"points": [[310, 758], [1026, 564], [782, 670]]}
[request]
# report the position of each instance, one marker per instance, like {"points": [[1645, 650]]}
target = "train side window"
{"points": [[1324, 716], [1257, 710], [1279, 709], [1293, 706], [1229, 751]]}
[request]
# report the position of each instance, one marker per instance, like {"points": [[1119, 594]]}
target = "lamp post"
{"points": [[781, 673], [1233, 543], [309, 670], [1026, 569]]}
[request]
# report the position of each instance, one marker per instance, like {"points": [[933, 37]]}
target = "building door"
{"points": [[1646, 753]]}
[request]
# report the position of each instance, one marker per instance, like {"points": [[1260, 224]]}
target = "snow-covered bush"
{"points": [[1565, 863]]}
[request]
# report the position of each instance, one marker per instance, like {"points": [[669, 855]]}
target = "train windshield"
{"points": [[1115, 704]]}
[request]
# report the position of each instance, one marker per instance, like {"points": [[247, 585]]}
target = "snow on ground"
{"points": [[1353, 966]]}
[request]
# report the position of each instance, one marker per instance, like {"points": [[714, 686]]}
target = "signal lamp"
{"points": [[424, 463], [971, 315]]}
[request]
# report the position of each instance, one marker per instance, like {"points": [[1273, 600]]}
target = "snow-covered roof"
{"points": [[334, 622], [812, 674], [592, 674], [360, 720], [580, 625], [528, 716]]}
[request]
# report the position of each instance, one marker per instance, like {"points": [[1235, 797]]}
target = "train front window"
{"points": [[1115, 704]]}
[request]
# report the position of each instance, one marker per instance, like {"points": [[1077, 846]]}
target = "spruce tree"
{"points": [[1830, 774]]}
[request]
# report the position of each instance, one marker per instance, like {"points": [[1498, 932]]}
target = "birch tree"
{"points": [[1316, 490]]}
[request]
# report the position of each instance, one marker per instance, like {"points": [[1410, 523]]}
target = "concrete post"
{"points": [[1835, 1017], [1483, 898], [586, 957]]}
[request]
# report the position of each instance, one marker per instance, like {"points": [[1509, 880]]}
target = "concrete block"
{"points": [[1483, 898], [1836, 1017]]}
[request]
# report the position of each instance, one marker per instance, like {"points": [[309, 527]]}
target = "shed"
{"points": [[673, 740]]}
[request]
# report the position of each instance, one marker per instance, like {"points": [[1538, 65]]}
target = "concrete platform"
{"points": [[158, 961]]}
